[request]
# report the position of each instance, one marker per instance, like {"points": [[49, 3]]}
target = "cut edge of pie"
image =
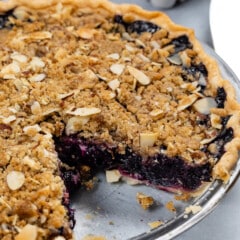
{"points": [[221, 170]]}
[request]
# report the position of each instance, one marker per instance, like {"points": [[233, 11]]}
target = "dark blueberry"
{"points": [[225, 136], [71, 216], [119, 19], [180, 43], [221, 97], [142, 26], [71, 178], [195, 69], [4, 21], [138, 26], [224, 120]]}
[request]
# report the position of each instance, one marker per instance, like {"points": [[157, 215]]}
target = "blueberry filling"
{"points": [[138, 26], [180, 43], [4, 19], [164, 171], [71, 178], [195, 69], [158, 170], [221, 97]]}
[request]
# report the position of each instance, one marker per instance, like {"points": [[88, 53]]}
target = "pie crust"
{"points": [[56, 79]]}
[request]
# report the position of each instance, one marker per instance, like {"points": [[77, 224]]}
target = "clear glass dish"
{"points": [[111, 210]]}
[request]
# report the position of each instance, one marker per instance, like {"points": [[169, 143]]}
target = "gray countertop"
{"points": [[223, 222]]}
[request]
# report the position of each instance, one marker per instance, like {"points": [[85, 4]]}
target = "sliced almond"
{"points": [[38, 77], [202, 80], [186, 102], [37, 36], [175, 59], [113, 176], [156, 113], [86, 33], [29, 232], [15, 180], [204, 105], [19, 57], [155, 44], [114, 56], [141, 77], [9, 119], [207, 140], [82, 112], [114, 84], [117, 68], [36, 63], [74, 124], [32, 130], [148, 139], [143, 58], [36, 108], [9, 70], [139, 43]]}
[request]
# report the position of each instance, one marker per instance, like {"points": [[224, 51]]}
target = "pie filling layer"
{"points": [[84, 90]]}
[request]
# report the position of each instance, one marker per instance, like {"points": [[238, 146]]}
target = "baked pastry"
{"points": [[88, 85]]}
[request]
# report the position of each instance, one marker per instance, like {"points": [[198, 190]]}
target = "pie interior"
{"points": [[89, 85]]}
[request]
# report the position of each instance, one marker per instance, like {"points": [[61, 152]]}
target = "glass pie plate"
{"points": [[112, 211]]}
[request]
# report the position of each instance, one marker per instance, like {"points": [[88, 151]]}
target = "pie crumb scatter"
{"points": [[155, 224], [144, 200], [170, 206], [92, 237], [193, 209]]}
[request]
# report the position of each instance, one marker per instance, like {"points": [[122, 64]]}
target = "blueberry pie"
{"points": [[90, 85]]}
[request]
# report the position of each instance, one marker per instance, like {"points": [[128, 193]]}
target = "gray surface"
{"points": [[223, 222]]}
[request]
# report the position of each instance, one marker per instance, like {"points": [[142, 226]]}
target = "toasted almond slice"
{"points": [[9, 119], [86, 33], [114, 84], [82, 112], [117, 68], [113, 176], [37, 36], [141, 77], [36, 108], [114, 56], [37, 62], [175, 59], [32, 130], [29, 232], [74, 124], [204, 105], [19, 57], [15, 180], [148, 139], [156, 113], [186, 102], [38, 77]]}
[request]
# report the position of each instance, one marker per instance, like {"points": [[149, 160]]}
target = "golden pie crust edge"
{"points": [[222, 169]]}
